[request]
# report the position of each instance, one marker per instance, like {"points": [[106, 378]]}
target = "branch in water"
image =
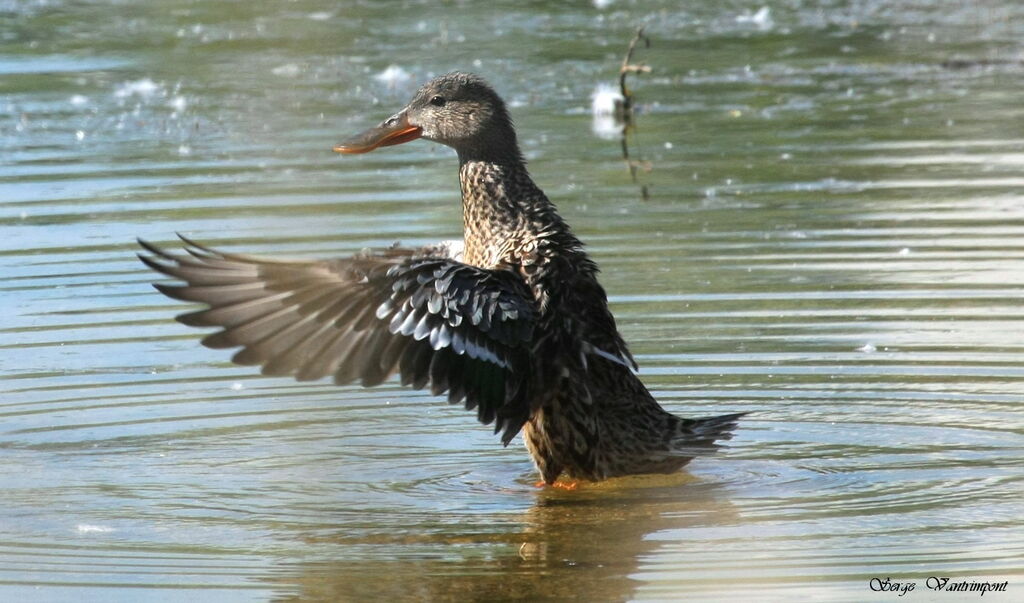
{"points": [[629, 67]]}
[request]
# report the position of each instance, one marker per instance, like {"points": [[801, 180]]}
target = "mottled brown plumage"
{"points": [[512, 322]]}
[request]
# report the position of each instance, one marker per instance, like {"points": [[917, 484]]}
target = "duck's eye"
{"points": [[437, 101]]}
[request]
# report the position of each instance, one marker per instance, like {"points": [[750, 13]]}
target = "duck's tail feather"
{"points": [[695, 437]]}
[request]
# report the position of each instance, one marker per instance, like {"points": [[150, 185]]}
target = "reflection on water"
{"points": [[582, 545], [832, 239]]}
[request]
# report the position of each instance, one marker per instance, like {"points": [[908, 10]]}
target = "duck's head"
{"points": [[459, 110]]}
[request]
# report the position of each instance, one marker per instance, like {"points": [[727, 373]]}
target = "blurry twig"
{"points": [[629, 67], [628, 106]]}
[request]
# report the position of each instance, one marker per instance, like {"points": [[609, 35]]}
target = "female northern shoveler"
{"points": [[512, 320]]}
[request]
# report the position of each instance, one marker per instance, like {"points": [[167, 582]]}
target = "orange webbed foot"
{"points": [[561, 485]]}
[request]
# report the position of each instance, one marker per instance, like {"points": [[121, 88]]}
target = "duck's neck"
{"points": [[503, 211]]}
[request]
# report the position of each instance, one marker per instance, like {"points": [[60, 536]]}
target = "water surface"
{"points": [[832, 237]]}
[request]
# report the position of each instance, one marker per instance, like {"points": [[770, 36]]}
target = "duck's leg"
{"points": [[539, 446], [549, 471]]}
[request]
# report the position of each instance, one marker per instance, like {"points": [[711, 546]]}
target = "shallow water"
{"points": [[833, 238]]}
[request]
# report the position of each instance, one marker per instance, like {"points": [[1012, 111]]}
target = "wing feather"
{"points": [[440, 323]]}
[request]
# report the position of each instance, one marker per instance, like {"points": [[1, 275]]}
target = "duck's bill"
{"points": [[394, 130]]}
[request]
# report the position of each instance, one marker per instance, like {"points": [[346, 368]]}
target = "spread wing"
{"points": [[439, 323]]}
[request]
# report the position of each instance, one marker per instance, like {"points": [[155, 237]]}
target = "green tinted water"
{"points": [[832, 238]]}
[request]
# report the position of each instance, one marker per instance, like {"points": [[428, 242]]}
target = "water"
{"points": [[832, 239]]}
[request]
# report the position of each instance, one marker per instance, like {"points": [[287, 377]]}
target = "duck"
{"points": [[510, 322]]}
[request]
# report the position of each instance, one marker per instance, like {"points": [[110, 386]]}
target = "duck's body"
{"points": [[513, 321]]}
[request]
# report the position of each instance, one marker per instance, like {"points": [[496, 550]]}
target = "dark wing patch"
{"points": [[439, 323]]}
